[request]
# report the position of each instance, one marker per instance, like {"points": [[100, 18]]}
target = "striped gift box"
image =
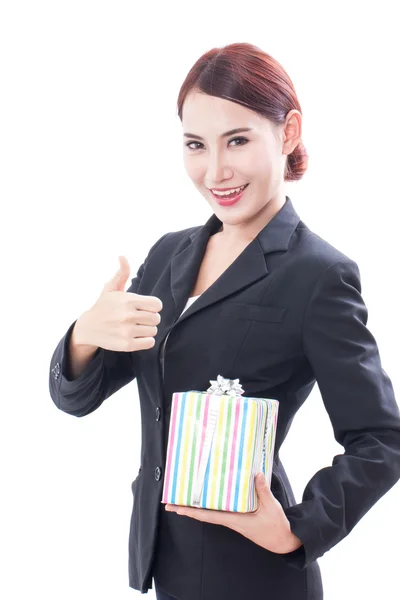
{"points": [[217, 443]]}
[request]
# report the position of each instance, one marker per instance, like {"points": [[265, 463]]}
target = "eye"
{"points": [[190, 143], [241, 139]]}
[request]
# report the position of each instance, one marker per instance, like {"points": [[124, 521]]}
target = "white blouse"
{"points": [[190, 302]]}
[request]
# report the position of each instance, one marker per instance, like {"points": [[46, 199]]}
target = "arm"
{"points": [[359, 398], [106, 372], [79, 355]]}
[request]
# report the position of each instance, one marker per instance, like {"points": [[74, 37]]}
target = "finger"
{"points": [[263, 490], [119, 280], [217, 517]]}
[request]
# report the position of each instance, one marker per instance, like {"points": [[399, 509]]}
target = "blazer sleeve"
{"points": [[107, 372], [359, 398]]}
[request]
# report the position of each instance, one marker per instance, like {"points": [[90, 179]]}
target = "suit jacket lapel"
{"points": [[249, 266]]}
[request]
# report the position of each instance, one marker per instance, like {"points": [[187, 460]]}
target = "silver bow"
{"points": [[223, 386]]}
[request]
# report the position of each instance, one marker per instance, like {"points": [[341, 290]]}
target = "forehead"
{"points": [[203, 113]]}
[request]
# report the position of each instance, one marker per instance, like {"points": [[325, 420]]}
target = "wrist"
{"points": [[291, 543], [79, 334]]}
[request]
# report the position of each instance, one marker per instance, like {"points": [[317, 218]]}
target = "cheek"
{"points": [[252, 164], [194, 169], [261, 166]]}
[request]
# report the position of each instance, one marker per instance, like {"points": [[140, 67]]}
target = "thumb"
{"points": [[262, 488], [118, 282]]}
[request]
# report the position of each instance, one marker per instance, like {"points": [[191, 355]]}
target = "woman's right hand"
{"points": [[120, 320]]}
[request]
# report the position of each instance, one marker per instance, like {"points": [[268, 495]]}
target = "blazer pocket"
{"points": [[253, 312]]}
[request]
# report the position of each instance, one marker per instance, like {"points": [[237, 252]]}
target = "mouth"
{"points": [[228, 199]]}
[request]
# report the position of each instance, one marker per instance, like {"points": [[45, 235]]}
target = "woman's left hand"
{"points": [[268, 526]]}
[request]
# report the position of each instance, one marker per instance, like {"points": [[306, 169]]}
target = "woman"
{"points": [[253, 294]]}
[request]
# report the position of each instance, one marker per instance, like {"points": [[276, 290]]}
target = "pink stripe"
{"points": [[231, 467], [171, 444], [204, 427]]}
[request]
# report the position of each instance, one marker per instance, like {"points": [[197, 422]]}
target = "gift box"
{"points": [[218, 441]]}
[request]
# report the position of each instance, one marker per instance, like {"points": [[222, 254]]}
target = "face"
{"points": [[256, 157]]}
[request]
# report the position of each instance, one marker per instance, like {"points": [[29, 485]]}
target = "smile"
{"points": [[228, 198]]}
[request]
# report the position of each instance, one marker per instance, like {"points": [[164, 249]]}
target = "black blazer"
{"points": [[286, 313]]}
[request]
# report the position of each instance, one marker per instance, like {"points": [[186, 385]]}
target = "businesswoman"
{"points": [[252, 294]]}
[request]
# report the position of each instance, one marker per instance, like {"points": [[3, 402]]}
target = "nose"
{"points": [[217, 170]]}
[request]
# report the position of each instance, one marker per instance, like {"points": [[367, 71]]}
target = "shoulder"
{"points": [[317, 254], [172, 240]]}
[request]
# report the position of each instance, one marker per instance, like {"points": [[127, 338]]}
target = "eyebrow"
{"points": [[231, 132]]}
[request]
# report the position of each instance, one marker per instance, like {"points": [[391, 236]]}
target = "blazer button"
{"points": [[158, 413], [157, 474]]}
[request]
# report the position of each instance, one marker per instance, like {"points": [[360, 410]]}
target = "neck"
{"points": [[246, 232]]}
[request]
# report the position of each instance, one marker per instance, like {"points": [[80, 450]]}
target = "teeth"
{"points": [[230, 192]]}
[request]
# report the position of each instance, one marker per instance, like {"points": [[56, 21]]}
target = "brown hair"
{"points": [[244, 74]]}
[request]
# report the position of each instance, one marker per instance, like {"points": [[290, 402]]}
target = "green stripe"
{"points": [[224, 474]]}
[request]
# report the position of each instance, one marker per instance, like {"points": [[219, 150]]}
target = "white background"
{"points": [[91, 168]]}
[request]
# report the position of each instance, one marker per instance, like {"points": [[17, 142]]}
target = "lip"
{"points": [[233, 187], [229, 201]]}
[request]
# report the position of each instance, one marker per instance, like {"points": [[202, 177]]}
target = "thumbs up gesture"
{"points": [[120, 320]]}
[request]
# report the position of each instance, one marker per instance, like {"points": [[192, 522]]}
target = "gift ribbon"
{"points": [[219, 387], [222, 386]]}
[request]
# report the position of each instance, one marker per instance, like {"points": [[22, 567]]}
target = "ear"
{"points": [[292, 131]]}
